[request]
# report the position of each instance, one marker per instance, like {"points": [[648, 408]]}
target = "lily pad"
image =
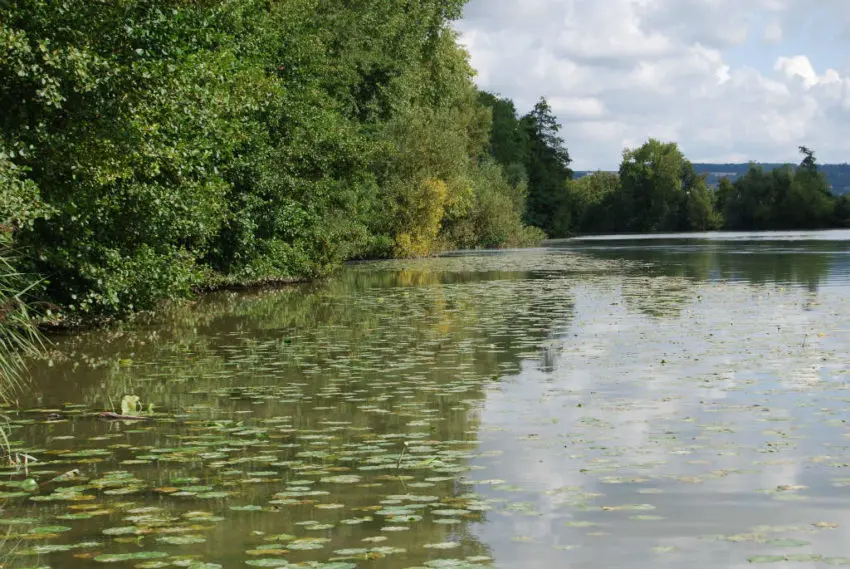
{"points": [[118, 557]]}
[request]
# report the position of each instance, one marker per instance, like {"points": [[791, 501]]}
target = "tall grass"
{"points": [[19, 335]]}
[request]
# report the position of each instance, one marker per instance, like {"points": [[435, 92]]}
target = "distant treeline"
{"points": [[837, 175], [656, 188]]}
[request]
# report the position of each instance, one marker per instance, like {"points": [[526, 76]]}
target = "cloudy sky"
{"points": [[729, 80]]}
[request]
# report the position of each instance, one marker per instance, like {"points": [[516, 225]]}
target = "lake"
{"points": [[603, 402]]}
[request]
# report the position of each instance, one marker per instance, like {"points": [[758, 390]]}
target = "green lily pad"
{"points": [[118, 557], [181, 539], [268, 562], [49, 529]]}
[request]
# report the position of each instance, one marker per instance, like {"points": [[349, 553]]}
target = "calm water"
{"points": [[596, 403]]}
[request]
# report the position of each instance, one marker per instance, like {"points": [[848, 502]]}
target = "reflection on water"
{"points": [[810, 259], [635, 403]]}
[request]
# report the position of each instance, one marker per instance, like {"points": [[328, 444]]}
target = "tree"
{"points": [[784, 198], [808, 204], [509, 141], [809, 163], [591, 201], [653, 178], [548, 171], [841, 212], [699, 209], [723, 194]]}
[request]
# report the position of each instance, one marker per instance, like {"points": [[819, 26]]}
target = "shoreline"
{"points": [[58, 328], [223, 284]]}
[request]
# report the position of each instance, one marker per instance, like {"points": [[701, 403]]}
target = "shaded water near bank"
{"points": [[619, 402]]}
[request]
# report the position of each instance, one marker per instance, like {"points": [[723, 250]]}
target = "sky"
{"points": [[729, 80]]}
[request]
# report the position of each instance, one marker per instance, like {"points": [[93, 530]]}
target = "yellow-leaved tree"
{"points": [[419, 231]]}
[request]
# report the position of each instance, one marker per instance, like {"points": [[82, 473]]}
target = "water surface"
{"points": [[619, 402]]}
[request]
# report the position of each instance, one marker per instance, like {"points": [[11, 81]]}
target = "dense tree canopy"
{"points": [[530, 149], [548, 171], [657, 189], [509, 141], [150, 146], [593, 202]]}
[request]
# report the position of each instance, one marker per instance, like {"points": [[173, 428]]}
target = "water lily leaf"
{"points": [[181, 539], [118, 557], [342, 479], [787, 542], [49, 529], [268, 562]]}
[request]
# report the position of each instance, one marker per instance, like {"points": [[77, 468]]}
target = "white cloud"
{"points": [[693, 71], [578, 106], [800, 66]]}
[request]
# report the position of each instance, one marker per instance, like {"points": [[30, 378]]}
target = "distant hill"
{"points": [[837, 174]]}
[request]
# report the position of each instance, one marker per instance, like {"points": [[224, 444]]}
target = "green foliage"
{"points": [[533, 154], [548, 171], [841, 213], [150, 146], [129, 114], [699, 208], [19, 337], [20, 205], [784, 198], [656, 180], [592, 202], [20, 201], [509, 143], [838, 175], [495, 218], [657, 189]]}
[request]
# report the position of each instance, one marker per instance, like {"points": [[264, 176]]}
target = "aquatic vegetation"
{"points": [[462, 412], [19, 337]]}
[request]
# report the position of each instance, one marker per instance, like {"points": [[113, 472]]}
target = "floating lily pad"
{"points": [[49, 529], [268, 562], [181, 539], [767, 559], [118, 557]]}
